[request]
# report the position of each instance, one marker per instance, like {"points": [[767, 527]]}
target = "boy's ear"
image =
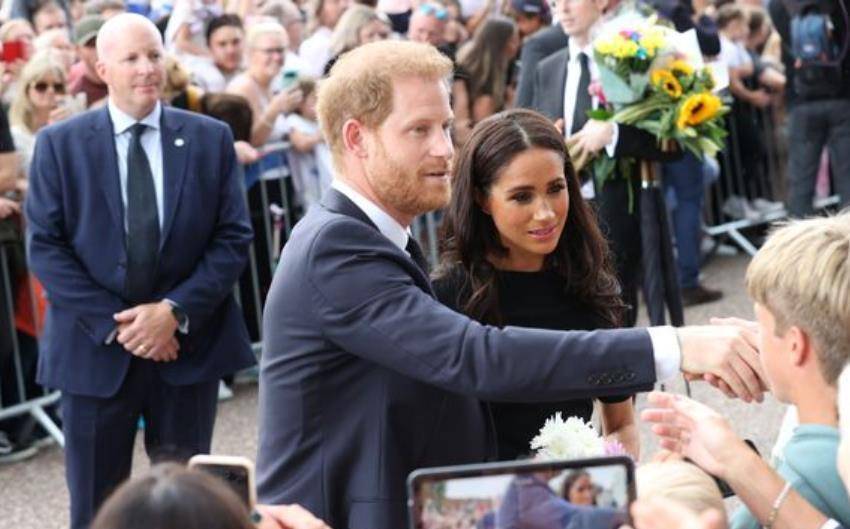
{"points": [[799, 346]]}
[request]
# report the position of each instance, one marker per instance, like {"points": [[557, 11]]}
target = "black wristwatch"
{"points": [[179, 314]]}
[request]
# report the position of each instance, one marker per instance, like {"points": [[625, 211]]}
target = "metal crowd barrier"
{"points": [[750, 170], [19, 396]]}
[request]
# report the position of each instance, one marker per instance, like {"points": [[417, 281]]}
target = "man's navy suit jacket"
{"points": [[365, 376], [77, 249]]}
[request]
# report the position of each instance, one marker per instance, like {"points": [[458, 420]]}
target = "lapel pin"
{"points": [[179, 142]]}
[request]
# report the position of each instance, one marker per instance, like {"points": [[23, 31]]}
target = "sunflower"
{"points": [[667, 82], [681, 68], [697, 109]]}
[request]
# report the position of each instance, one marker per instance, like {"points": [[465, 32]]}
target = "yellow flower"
{"points": [[681, 67], [667, 82], [626, 48], [697, 109]]}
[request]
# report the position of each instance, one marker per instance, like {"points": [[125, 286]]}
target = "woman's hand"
{"points": [[287, 101]]}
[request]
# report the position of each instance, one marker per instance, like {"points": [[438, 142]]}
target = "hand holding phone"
{"points": [[237, 472]]}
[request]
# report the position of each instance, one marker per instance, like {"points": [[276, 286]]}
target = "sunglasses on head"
{"points": [[42, 87], [440, 13]]}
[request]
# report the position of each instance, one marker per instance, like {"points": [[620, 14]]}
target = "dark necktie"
{"points": [[583, 99], [142, 221], [416, 254]]}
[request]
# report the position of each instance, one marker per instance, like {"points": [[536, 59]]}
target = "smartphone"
{"points": [[237, 472], [288, 79], [14, 50]]}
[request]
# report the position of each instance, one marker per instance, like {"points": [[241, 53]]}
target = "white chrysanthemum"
{"points": [[570, 439]]}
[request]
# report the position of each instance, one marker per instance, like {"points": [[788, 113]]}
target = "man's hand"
{"points": [[593, 137], [727, 355], [694, 430], [147, 331], [9, 208], [288, 517], [664, 513]]}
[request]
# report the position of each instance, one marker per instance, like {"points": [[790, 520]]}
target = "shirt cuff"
{"points": [[830, 524], [611, 148], [666, 351]]}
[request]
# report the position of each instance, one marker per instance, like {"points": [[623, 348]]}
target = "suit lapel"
{"points": [[101, 147], [175, 153], [339, 203]]}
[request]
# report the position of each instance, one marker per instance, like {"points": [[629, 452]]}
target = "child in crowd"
{"points": [[309, 158], [800, 282]]}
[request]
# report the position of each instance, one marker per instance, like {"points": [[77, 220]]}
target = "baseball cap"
{"points": [[86, 29], [530, 7]]}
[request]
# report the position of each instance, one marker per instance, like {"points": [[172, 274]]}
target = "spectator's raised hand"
{"points": [[726, 354], [8, 208], [287, 101], [694, 430]]}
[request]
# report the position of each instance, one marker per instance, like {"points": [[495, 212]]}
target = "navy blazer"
{"points": [[77, 248], [366, 377]]}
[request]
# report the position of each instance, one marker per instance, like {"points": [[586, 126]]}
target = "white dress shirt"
{"points": [[151, 143], [665, 344]]}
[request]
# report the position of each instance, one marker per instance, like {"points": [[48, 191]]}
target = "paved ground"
{"points": [[33, 494]]}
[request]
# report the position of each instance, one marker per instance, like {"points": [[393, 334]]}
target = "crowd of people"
{"points": [[142, 155]]}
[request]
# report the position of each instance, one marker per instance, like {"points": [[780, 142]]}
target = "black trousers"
{"points": [[100, 433]]}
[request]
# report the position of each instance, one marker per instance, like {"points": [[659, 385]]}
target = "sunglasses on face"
{"points": [[437, 12], [42, 86]]}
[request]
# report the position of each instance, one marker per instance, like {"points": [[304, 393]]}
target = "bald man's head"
{"points": [[116, 29], [131, 63]]}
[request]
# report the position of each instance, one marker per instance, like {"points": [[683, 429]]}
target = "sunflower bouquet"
{"points": [[653, 78]]}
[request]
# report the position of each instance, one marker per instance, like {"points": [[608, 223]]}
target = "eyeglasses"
{"points": [[41, 87], [272, 51], [440, 13]]}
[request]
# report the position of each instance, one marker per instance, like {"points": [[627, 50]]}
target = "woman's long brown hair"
{"points": [[469, 236]]}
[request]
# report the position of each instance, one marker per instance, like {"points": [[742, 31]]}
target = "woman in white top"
{"points": [[266, 44], [323, 16]]}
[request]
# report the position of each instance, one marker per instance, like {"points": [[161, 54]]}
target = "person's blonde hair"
{"points": [[39, 66], [265, 27], [802, 276], [346, 35], [10, 25], [360, 84], [681, 481]]}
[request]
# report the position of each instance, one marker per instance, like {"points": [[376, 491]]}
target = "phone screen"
{"points": [[236, 477], [13, 50]]}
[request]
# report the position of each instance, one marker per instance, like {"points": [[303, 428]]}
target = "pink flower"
{"points": [[615, 448], [595, 90]]}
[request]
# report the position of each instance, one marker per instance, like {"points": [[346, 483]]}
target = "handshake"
{"points": [[725, 354]]}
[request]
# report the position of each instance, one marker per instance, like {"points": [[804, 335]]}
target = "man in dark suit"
{"points": [[365, 376], [561, 85], [536, 48], [138, 231]]}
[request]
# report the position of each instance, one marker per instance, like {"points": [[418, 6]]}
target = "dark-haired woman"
{"points": [[521, 247], [485, 62]]}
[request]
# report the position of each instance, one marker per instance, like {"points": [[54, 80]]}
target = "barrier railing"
{"points": [[19, 395], [752, 168]]}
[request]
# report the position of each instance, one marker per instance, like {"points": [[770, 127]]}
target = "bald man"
{"points": [[138, 231]]}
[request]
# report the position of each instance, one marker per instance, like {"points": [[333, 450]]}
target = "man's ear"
{"points": [[354, 138], [100, 68], [602, 5]]}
